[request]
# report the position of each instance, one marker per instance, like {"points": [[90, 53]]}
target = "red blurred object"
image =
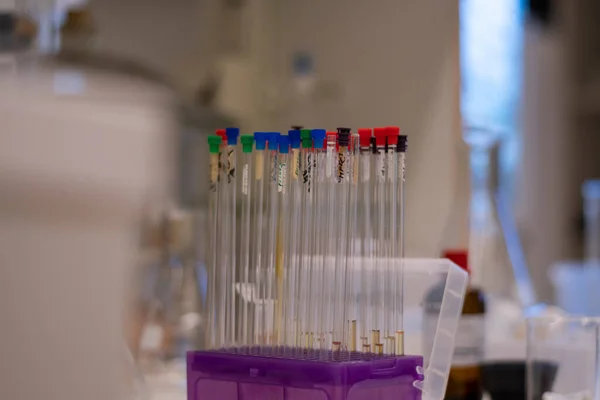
{"points": [[223, 134], [458, 257]]}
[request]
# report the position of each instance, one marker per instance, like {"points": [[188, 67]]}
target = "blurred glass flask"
{"points": [[490, 95], [563, 358]]}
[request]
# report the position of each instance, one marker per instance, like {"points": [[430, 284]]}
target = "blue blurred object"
{"points": [[491, 43], [302, 64]]}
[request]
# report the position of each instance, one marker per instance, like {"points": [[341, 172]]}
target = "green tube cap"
{"points": [[214, 142], [247, 142], [306, 136]]}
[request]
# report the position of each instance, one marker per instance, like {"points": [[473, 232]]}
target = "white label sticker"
{"points": [[281, 178], [307, 172], [403, 167], [469, 341], [245, 179]]}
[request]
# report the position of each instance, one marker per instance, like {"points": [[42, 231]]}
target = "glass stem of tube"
{"points": [[258, 297], [393, 259], [380, 170], [308, 249], [281, 268], [350, 301], [272, 210], [293, 256], [223, 262], [329, 241], [341, 208], [400, 240], [317, 296], [366, 248], [244, 332], [212, 248], [231, 266]]}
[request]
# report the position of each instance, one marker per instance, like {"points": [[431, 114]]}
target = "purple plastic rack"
{"points": [[231, 375]]}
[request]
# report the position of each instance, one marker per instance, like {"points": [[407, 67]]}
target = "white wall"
{"points": [[547, 193], [177, 37], [389, 62], [395, 63]]}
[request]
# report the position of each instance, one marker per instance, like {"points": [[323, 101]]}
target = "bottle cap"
{"points": [[232, 135], [306, 137], [284, 144], [223, 134], [214, 142], [261, 140], [392, 133], [343, 136], [247, 141], [318, 136], [297, 127], [294, 135], [365, 136], [402, 144], [459, 257], [380, 136], [273, 140]]}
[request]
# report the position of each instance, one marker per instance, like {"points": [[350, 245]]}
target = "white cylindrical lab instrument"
{"points": [[78, 172]]}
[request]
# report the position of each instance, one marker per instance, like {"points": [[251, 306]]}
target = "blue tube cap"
{"points": [[318, 136], [284, 144], [232, 135], [294, 138], [260, 140], [273, 140]]}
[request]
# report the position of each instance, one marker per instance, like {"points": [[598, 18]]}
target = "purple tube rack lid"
{"points": [[229, 376]]}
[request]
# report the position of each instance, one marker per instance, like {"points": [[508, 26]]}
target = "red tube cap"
{"points": [[365, 136], [392, 133], [380, 136], [223, 134]]}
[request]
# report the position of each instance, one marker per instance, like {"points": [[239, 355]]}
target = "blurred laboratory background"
{"points": [[105, 110]]}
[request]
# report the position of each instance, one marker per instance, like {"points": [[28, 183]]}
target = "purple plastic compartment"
{"points": [[229, 376]]}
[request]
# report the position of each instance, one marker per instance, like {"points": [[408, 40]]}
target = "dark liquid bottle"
{"points": [[464, 382]]}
